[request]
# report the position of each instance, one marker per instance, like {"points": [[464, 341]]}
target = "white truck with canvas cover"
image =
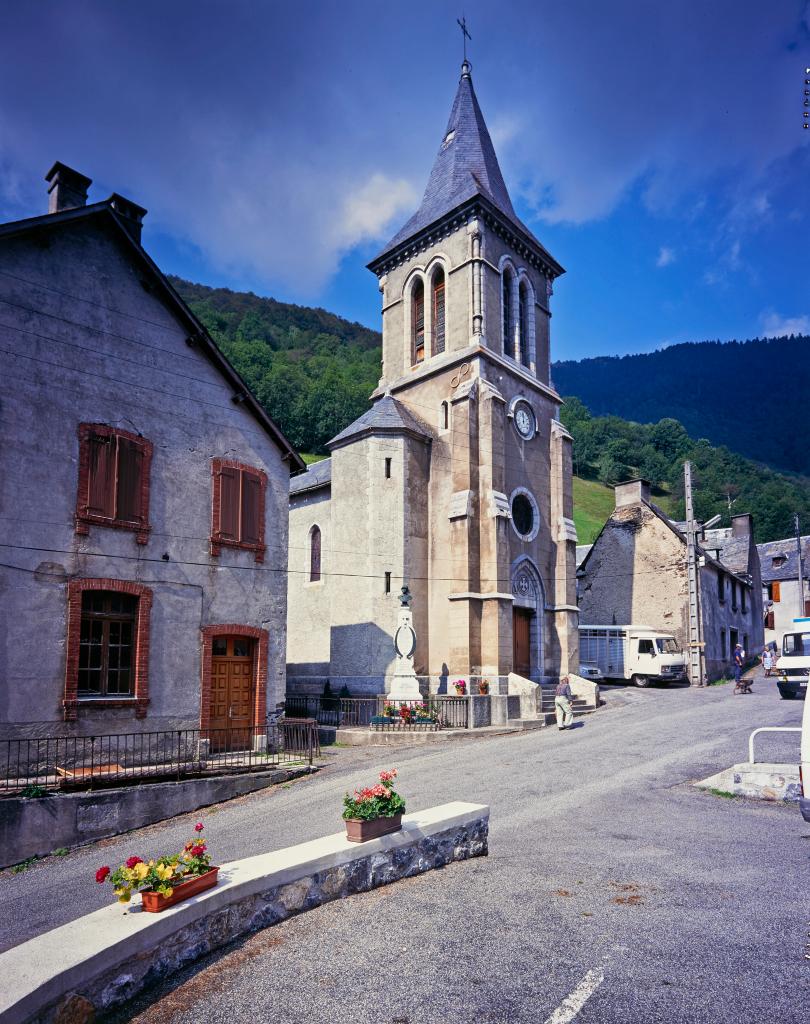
{"points": [[639, 653]]}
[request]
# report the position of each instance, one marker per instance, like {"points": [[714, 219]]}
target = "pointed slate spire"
{"points": [[465, 166]]}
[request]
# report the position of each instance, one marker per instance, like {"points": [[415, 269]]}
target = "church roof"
{"points": [[386, 416], [318, 475], [465, 167]]}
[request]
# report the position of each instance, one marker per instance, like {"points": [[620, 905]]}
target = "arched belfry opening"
{"points": [[438, 310]]}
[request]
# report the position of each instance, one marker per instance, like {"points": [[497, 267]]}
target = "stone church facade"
{"points": [[458, 480]]}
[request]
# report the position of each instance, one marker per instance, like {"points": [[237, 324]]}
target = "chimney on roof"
{"points": [[67, 189], [742, 525], [130, 213], [632, 492]]}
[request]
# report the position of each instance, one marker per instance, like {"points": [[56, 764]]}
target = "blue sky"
{"points": [[655, 148]]}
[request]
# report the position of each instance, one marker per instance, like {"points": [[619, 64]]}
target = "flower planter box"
{"points": [[360, 831], [154, 902]]}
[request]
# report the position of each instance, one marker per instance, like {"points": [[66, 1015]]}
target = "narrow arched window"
{"points": [[523, 313], [444, 416], [438, 312], [314, 554], [418, 322], [508, 319]]}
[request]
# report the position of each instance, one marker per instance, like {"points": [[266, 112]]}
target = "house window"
{"points": [[388, 583], [418, 323], [444, 416], [734, 595], [723, 652], [438, 313], [742, 600], [721, 588], [113, 480], [774, 592], [107, 646], [769, 620], [238, 507], [523, 313], [745, 643], [507, 313], [387, 469], [733, 639], [315, 554]]}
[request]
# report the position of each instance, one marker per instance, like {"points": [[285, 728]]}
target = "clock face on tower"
{"points": [[524, 420]]}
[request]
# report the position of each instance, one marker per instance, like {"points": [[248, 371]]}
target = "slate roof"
{"points": [[386, 416], [465, 167], [789, 569], [318, 475]]}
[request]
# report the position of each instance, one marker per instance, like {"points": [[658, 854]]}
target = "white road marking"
{"points": [[571, 1005]]}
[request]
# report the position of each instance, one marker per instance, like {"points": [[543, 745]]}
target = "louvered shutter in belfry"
{"points": [[438, 317], [130, 480], [251, 504], [229, 503], [101, 483]]}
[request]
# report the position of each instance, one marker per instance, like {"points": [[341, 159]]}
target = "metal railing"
{"points": [[768, 728], [433, 712], [49, 762]]}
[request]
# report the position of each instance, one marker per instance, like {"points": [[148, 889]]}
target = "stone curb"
{"points": [[107, 957], [762, 781]]}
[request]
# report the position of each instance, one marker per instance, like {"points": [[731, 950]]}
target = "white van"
{"points": [[639, 653], [793, 664]]}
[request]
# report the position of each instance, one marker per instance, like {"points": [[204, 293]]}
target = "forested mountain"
{"points": [[751, 396], [314, 373]]}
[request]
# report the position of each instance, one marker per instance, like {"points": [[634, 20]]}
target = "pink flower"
{"points": [[102, 873], [388, 776], [132, 861], [199, 827], [198, 851]]}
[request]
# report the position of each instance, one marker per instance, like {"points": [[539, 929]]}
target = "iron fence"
{"points": [[433, 712], [49, 762]]}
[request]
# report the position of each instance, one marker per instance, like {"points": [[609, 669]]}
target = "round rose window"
{"points": [[522, 514]]}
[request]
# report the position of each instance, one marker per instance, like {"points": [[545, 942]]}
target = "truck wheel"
{"points": [[640, 681]]}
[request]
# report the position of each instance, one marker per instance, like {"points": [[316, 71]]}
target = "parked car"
{"points": [[793, 664]]}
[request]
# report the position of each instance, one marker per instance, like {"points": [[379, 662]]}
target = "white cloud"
{"points": [[665, 256], [369, 210], [776, 326]]}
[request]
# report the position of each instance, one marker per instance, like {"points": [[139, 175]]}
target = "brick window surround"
{"points": [[219, 538], [84, 516], [140, 699], [260, 649]]}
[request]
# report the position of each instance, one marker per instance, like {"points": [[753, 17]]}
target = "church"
{"points": [[457, 482]]}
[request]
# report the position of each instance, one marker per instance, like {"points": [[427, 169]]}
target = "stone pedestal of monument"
{"points": [[404, 685]]}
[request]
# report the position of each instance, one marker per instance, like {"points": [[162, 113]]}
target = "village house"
{"points": [[457, 481], [144, 492], [636, 573], [780, 585]]}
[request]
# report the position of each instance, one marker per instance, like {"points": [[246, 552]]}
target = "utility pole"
{"points": [[797, 524], [695, 645]]}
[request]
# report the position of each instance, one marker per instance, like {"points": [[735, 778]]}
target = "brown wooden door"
{"points": [[521, 641], [231, 693]]}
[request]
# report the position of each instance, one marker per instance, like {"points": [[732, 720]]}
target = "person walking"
{"points": [[562, 704], [738, 664], [767, 661]]}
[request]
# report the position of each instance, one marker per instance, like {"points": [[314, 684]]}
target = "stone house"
{"points": [[636, 573], [780, 585], [144, 492], [458, 479]]}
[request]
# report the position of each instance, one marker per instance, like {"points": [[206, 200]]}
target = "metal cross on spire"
{"points": [[465, 35]]}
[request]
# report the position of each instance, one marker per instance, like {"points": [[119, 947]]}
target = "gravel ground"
{"points": [[604, 864]]}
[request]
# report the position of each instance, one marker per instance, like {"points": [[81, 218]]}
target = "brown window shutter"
{"points": [[769, 620], [777, 592], [130, 480], [315, 555], [101, 485], [251, 505], [228, 504]]}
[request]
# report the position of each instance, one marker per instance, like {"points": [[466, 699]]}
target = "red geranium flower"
{"points": [[132, 861], [102, 873], [199, 827], [198, 851]]}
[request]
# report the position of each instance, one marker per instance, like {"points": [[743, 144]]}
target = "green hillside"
{"points": [[314, 372]]}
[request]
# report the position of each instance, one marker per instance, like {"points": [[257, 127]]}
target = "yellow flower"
{"points": [[164, 871], [167, 892], [124, 895], [140, 871]]}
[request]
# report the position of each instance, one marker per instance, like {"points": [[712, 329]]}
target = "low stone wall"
{"points": [[105, 958], [34, 827], [760, 780]]}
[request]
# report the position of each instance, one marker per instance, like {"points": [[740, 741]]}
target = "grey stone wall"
{"points": [[93, 341]]}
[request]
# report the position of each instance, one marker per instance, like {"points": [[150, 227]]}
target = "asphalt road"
{"points": [[611, 884]]}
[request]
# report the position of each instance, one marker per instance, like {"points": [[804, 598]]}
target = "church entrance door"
{"points": [[521, 641], [231, 717]]}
